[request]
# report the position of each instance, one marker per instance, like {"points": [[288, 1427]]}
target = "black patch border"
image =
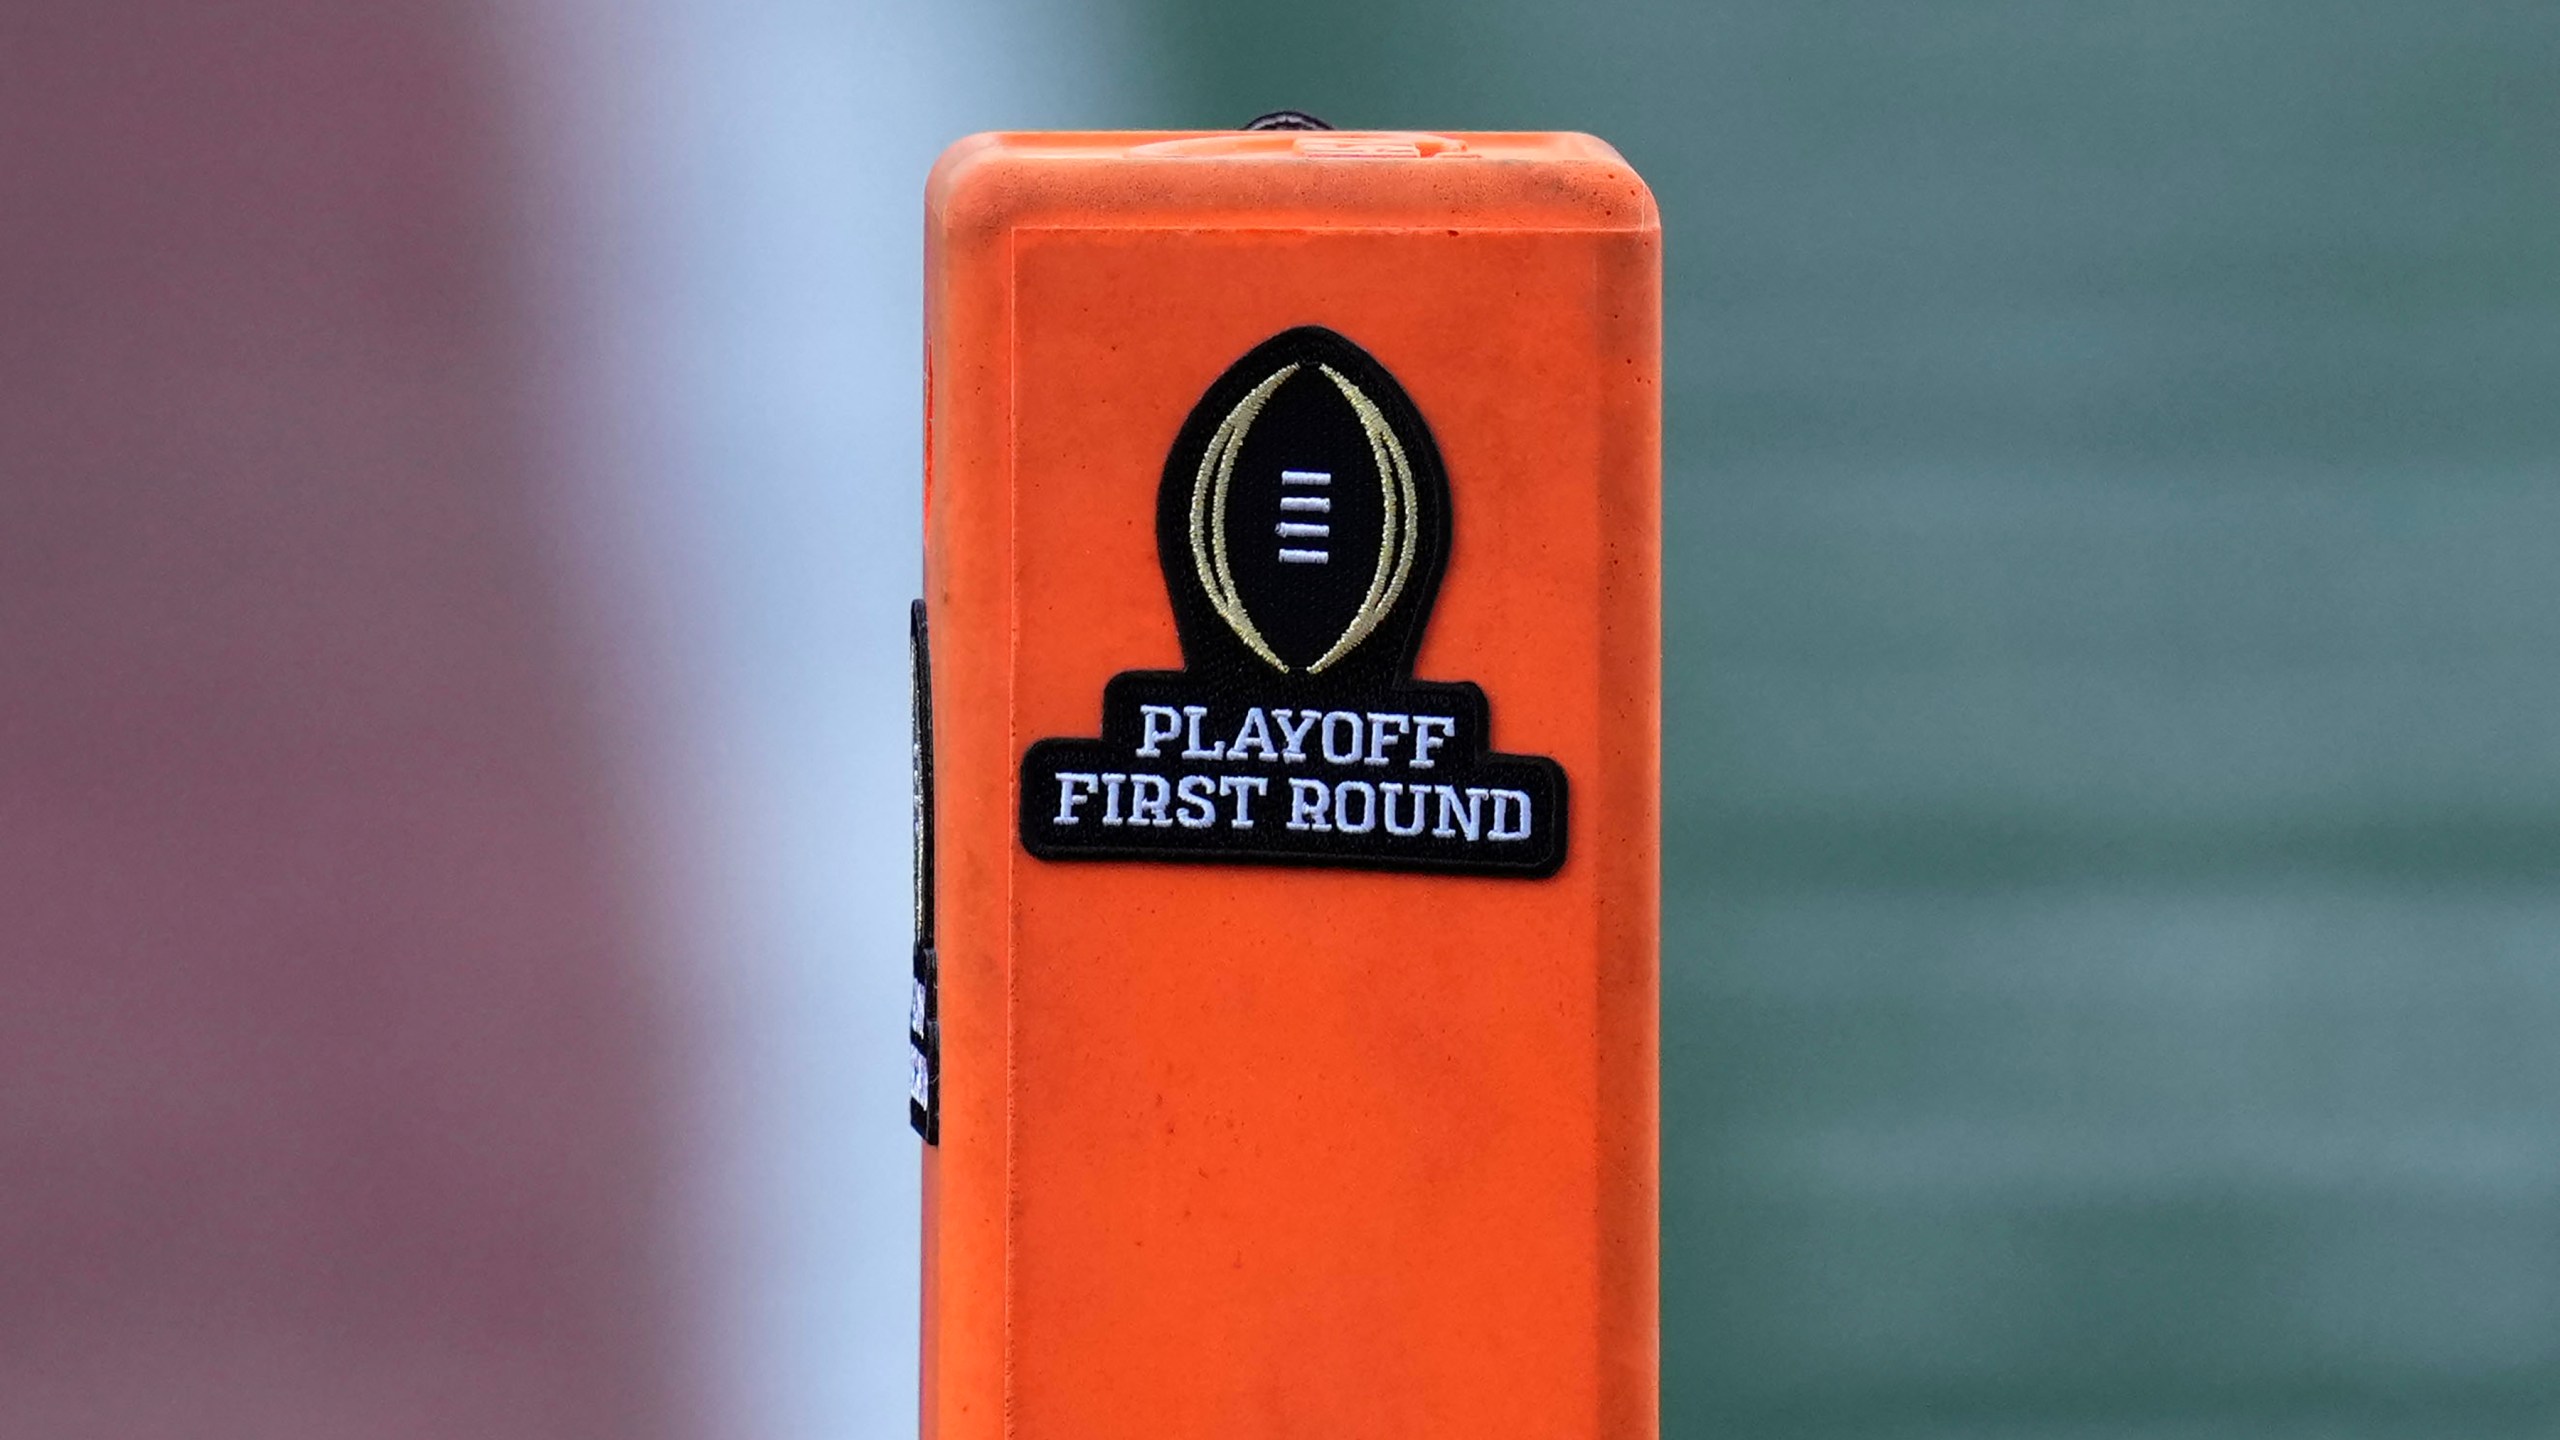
{"points": [[1220, 670]]}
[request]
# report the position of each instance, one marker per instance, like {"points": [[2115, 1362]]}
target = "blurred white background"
{"points": [[749, 260]]}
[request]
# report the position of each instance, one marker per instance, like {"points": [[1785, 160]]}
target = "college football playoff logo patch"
{"points": [[1302, 523]]}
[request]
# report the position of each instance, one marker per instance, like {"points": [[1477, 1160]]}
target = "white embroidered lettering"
{"points": [[1069, 797], [1368, 794], [1191, 746], [1424, 727], [1293, 738], [1421, 797], [1504, 802], [1470, 820], [1341, 755], [1255, 734], [1244, 788], [1384, 730], [1199, 801], [1148, 797], [1308, 801], [1156, 724], [1111, 783]]}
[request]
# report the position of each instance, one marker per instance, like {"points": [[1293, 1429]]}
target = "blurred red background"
{"points": [[332, 1086]]}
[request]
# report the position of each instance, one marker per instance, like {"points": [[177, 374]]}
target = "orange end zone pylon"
{"points": [[1289, 756]]}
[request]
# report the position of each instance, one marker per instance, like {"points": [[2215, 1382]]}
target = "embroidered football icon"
{"points": [[1303, 516], [1302, 522]]}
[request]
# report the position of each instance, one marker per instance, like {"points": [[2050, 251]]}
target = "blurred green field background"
{"points": [[2112, 961]]}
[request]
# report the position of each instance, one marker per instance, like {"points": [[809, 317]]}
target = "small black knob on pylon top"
{"points": [[1286, 120]]}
